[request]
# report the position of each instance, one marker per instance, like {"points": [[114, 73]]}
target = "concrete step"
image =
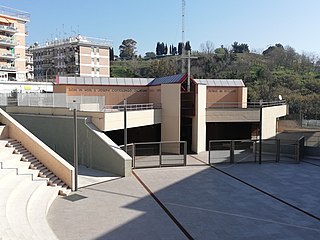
{"points": [[32, 172], [28, 156], [36, 165], [14, 144], [56, 183], [4, 172], [7, 184], [37, 209], [65, 190], [16, 208], [45, 172], [3, 142], [6, 150], [22, 151], [29, 159], [14, 162]]}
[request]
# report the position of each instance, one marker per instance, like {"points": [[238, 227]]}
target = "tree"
{"points": [[180, 48], [240, 48], [187, 46], [207, 47], [158, 49], [128, 49], [150, 55]]}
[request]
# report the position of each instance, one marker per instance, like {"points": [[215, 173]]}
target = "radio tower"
{"points": [[183, 13], [183, 70]]}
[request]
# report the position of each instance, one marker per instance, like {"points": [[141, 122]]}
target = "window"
{"points": [[97, 50]]}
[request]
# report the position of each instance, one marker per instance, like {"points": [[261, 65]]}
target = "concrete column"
{"points": [[171, 111], [199, 120]]}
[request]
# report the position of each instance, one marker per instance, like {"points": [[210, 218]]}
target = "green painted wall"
{"points": [[95, 149]]}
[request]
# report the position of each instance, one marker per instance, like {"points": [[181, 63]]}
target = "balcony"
{"points": [[7, 68], [8, 56], [8, 43], [8, 29]]}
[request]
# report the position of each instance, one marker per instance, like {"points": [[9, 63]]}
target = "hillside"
{"points": [[278, 71]]}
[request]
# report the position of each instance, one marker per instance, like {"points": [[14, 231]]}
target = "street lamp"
{"points": [[75, 146], [260, 132], [125, 129]]}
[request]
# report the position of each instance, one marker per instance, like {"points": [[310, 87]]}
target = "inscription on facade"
{"points": [[78, 89]]}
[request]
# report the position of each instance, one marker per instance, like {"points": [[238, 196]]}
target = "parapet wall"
{"points": [[96, 150], [41, 151]]}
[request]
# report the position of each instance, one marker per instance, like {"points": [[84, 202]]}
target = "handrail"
{"points": [[247, 104], [131, 107]]}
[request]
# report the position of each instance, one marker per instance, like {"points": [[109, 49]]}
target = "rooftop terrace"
{"points": [[15, 13]]}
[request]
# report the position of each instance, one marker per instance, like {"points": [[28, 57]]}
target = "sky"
{"points": [[258, 23]]}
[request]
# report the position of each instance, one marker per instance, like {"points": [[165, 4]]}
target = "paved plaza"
{"points": [[227, 201]]}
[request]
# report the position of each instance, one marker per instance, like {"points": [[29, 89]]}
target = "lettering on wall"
{"points": [[78, 89], [223, 90]]}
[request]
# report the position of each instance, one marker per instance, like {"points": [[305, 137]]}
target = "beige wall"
{"points": [[113, 94], [155, 94], [224, 95], [199, 120], [243, 96], [43, 153], [85, 50], [269, 119], [115, 120], [170, 101]]}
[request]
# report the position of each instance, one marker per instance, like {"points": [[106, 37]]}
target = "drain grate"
{"points": [[74, 197]]}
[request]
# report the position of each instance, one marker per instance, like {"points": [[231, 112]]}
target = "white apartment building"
{"points": [[74, 56]]}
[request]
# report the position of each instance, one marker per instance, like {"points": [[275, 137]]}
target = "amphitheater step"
{"points": [[7, 184], [37, 209], [16, 208]]}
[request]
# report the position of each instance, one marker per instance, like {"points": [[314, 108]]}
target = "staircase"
{"points": [[27, 189]]}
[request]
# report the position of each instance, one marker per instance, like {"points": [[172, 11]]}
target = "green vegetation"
{"points": [[277, 71]]}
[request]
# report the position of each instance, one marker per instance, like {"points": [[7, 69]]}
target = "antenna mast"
{"points": [[183, 13], [183, 70]]}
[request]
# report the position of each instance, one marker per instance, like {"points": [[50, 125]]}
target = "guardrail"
{"points": [[131, 107], [244, 104], [158, 154], [237, 151], [57, 100]]}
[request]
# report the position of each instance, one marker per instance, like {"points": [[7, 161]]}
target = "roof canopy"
{"points": [[178, 78]]}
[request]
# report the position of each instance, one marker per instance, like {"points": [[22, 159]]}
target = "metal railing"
{"points": [[158, 154], [239, 151], [76, 39], [313, 141], [57, 100], [244, 104], [4, 99], [131, 107], [7, 67], [8, 28], [15, 13]]}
